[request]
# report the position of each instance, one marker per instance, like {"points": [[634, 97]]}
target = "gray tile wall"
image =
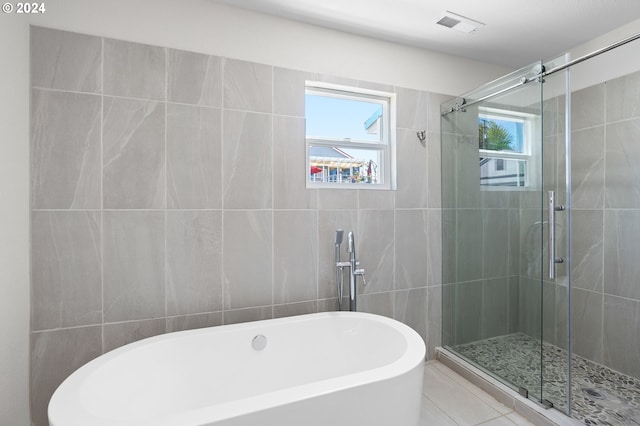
{"points": [[168, 194], [605, 226]]}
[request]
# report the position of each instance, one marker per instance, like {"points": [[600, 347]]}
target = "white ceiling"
{"points": [[516, 32]]}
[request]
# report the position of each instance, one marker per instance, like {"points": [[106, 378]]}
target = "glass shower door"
{"points": [[495, 229]]}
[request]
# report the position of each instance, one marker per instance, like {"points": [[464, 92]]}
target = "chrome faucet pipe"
{"points": [[353, 271]]}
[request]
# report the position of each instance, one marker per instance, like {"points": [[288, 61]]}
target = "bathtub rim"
{"points": [[413, 357]]}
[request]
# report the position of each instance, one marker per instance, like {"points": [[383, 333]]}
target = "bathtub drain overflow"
{"points": [[259, 342]]}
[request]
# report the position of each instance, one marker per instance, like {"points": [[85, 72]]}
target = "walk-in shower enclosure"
{"points": [[541, 238]]}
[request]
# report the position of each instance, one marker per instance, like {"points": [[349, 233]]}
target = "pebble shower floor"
{"points": [[601, 396]]}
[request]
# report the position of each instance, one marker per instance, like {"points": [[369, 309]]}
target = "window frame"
{"points": [[530, 123], [386, 144]]}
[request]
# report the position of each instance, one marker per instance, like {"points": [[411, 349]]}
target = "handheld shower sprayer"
{"points": [[339, 276]]}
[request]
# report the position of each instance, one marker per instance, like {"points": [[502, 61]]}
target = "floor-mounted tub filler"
{"points": [[332, 368]]}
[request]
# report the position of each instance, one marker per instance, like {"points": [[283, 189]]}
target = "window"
{"points": [[350, 135], [505, 147]]}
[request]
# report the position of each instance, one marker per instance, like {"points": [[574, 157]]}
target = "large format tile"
{"points": [[410, 308], [134, 277], [122, 333], [66, 265], [288, 91], [411, 158], [194, 262], [194, 157], [247, 261], [54, 356], [133, 154], [622, 174], [495, 243], [621, 253], [295, 256], [469, 245], [246, 159], [289, 169], [66, 61], [621, 340], [65, 150], [431, 415], [587, 245], [587, 107], [247, 86], [587, 168], [376, 250], [411, 249], [622, 97], [134, 70], [586, 324], [194, 78], [495, 307], [413, 108]]}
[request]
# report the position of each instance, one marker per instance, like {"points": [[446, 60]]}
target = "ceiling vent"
{"points": [[459, 22]]}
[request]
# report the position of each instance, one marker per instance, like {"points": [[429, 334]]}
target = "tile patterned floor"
{"points": [[601, 396], [448, 400]]}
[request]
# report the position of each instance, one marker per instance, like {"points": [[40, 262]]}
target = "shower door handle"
{"points": [[552, 235]]}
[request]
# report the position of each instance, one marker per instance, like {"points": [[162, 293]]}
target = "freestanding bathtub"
{"points": [[333, 368]]}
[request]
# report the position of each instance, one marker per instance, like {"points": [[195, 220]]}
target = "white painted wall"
{"points": [[616, 63], [207, 27], [14, 220]]}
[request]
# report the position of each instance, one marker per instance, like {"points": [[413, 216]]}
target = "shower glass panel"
{"points": [[498, 307]]}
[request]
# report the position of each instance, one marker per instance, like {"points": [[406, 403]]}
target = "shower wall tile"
{"points": [[189, 322], [65, 150], [194, 78], [194, 157], [376, 200], [54, 356], [288, 91], [295, 243], [514, 300], [434, 247], [247, 160], [194, 262], [495, 248], [134, 70], [495, 307], [587, 107], [413, 191], [587, 168], [469, 263], [66, 61], [434, 171], [133, 154], [248, 258], [621, 340], [411, 309], [412, 236], [66, 269], [338, 199], [529, 306], [375, 250], [587, 246], [622, 174], [467, 173], [623, 97], [328, 222], [412, 109], [434, 320], [134, 258], [293, 309], [622, 251], [289, 174], [236, 316], [469, 322], [586, 320], [433, 112], [123, 333], [247, 86], [376, 303]]}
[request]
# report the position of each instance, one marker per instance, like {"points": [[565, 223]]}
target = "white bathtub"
{"points": [[333, 368]]}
